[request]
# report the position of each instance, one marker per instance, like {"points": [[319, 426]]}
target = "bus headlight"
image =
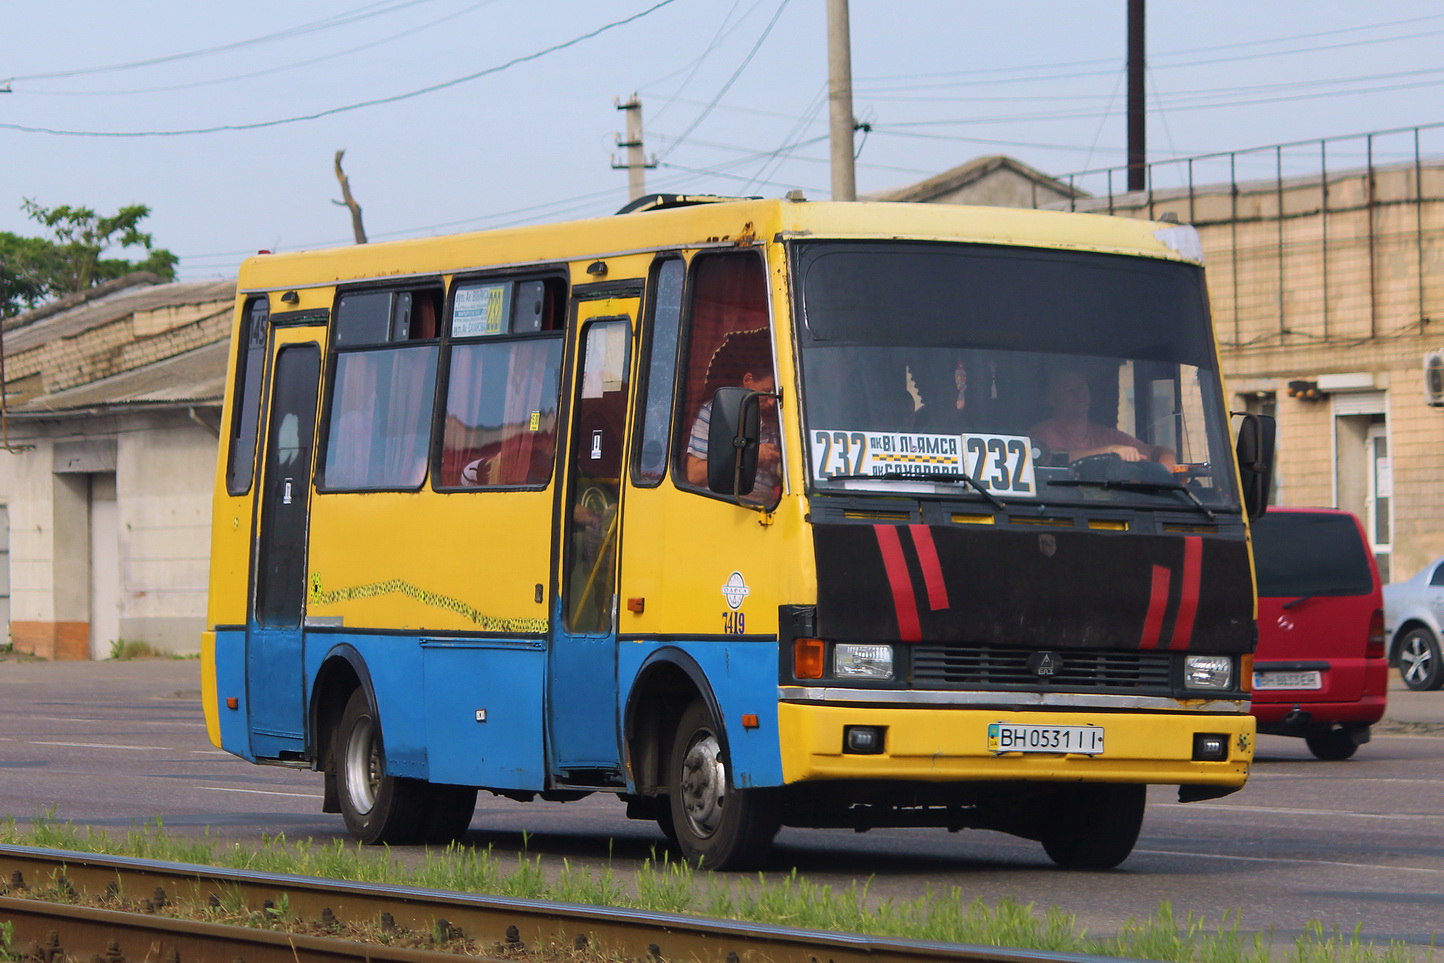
{"points": [[862, 661], [1208, 672]]}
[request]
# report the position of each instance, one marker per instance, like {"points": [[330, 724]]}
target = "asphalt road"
{"points": [[1359, 842]]}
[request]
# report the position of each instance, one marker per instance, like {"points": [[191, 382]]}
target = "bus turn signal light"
{"points": [[808, 658]]}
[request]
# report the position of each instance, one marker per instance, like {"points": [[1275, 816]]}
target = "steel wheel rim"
{"points": [[362, 766], [704, 785], [1416, 658]]}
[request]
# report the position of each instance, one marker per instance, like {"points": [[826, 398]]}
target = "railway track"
{"points": [[60, 905]]}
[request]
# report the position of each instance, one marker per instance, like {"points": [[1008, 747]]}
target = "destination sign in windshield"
{"points": [[999, 463]]}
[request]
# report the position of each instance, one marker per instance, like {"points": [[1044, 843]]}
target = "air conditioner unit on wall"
{"points": [[1434, 379]]}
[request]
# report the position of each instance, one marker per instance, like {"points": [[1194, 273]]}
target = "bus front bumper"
{"points": [[949, 744]]}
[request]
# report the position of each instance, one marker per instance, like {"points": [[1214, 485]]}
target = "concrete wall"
{"points": [[163, 464]]}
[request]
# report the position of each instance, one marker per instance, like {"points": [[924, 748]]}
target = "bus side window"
{"points": [[663, 318], [383, 390], [729, 343], [246, 406], [502, 384]]}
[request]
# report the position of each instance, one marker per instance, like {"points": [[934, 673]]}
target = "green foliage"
{"points": [[124, 650], [661, 885], [36, 269], [8, 949]]}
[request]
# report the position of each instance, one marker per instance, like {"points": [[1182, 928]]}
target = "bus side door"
{"points": [[278, 582], [582, 724]]}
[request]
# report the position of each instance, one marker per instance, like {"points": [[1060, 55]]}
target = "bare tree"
{"points": [[349, 201]]}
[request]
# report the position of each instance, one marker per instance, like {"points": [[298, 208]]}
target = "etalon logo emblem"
{"points": [[735, 591], [1286, 623], [1043, 664]]}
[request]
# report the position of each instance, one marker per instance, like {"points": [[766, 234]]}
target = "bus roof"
{"points": [[731, 223]]}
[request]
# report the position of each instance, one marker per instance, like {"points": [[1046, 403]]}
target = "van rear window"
{"points": [[1300, 553]]}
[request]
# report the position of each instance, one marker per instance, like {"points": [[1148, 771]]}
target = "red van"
{"points": [[1320, 670]]}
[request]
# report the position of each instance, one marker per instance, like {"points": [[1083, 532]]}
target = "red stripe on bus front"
{"points": [[1188, 601], [908, 627], [932, 568], [1157, 602]]}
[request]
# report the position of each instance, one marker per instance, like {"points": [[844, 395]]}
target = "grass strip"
{"points": [[662, 884]]}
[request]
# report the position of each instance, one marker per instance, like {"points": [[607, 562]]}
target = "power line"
{"points": [[722, 31], [268, 71], [730, 80], [874, 91], [1172, 53], [349, 107], [1087, 115], [290, 32]]}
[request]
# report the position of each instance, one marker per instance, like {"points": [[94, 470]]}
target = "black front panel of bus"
{"points": [[1055, 588]]}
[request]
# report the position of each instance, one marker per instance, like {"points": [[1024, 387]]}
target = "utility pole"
{"points": [[1137, 130], [839, 97], [637, 163]]}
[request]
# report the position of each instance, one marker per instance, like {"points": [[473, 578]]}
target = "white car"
{"points": [[1413, 613]]}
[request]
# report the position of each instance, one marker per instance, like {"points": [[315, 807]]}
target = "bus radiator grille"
{"points": [[954, 666]]}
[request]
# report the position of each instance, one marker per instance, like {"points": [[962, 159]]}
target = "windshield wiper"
{"points": [[1138, 486], [944, 476]]}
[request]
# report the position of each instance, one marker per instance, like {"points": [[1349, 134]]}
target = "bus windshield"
{"points": [[1010, 373]]}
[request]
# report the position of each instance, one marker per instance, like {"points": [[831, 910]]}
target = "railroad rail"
{"points": [[57, 928]]}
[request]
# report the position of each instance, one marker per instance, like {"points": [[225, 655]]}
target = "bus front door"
{"points": [[584, 745], [273, 639]]}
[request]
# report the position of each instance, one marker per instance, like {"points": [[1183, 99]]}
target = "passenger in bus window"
{"points": [[942, 387], [1069, 431], [743, 358]]}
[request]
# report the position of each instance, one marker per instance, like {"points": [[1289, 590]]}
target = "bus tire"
{"points": [[377, 808], [448, 812], [717, 826], [1093, 826]]}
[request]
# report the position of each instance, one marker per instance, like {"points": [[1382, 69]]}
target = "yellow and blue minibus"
{"points": [[750, 512]]}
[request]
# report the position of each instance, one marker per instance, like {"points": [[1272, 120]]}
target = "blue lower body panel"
{"points": [[742, 676], [473, 712]]}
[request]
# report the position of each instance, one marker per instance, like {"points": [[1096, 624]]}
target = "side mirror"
{"points": [[1255, 450], [732, 437]]}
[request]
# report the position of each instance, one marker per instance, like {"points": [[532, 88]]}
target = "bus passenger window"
{"points": [[384, 388], [663, 320], [246, 405], [729, 343], [501, 413], [379, 428], [503, 384], [379, 317]]}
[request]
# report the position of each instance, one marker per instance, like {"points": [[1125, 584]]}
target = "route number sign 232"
{"points": [[1000, 463]]}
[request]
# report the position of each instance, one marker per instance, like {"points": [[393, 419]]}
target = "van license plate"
{"points": [[1312, 679], [1008, 737]]}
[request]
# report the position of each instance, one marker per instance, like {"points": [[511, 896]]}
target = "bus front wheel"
{"points": [[717, 826], [1093, 826], [377, 808]]}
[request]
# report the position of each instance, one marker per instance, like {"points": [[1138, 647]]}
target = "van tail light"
{"points": [[808, 658], [1376, 636]]}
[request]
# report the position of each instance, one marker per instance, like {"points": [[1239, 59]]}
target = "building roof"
{"points": [[972, 172], [142, 293], [130, 342], [196, 377]]}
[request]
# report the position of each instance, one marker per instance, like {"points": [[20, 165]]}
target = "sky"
{"points": [[461, 115]]}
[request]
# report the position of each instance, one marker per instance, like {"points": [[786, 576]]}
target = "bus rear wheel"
{"points": [[717, 826], [448, 812], [377, 808], [1093, 826]]}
